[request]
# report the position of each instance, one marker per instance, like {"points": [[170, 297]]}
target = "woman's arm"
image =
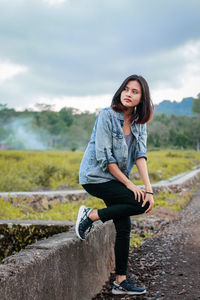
{"points": [[116, 172], [103, 140], [142, 168]]}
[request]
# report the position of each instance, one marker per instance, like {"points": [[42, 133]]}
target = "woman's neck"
{"points": [[127, 114]]}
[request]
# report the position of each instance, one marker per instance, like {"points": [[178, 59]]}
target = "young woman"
{"points": [[118, 141]]}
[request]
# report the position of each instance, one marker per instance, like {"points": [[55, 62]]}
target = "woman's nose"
{"points": [[128, 93]]}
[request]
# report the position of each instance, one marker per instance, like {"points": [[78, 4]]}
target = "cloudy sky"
{"points": [[77, 52]]}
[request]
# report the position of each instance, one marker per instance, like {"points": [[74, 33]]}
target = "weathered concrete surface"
{"points": [[180, 179], [44, 199], [61, 267], [178, 182], [12, 222], [42, 193]]}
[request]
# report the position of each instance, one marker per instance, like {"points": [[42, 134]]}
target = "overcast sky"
{"points": [[77, 52]]}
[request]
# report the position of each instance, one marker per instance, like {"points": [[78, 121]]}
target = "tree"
{"points": [[3, 106], [196, 110], [196, 106], [66, 115], [44, 106]]}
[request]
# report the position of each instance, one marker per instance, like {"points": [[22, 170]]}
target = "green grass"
{"points": [[174, 201], [61, 211], [29, 170], [165, 164], [32, 170], [137, 240]]}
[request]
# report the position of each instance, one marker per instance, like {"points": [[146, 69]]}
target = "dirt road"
{"points": [[169, 263]]}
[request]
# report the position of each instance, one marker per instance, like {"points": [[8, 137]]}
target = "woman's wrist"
{"points": [[148, 188], [147, 192]]}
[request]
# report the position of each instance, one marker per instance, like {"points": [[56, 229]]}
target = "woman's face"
{"points": [[132, 94]]}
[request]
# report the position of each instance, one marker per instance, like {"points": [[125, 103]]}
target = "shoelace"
{"points": [[86, 225], [89, 228], [86, 232], [84, 215]]}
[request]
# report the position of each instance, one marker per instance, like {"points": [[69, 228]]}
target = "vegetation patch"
{"points": [[165, 164], [49, 170], [137, 239], [61, 211], [33, 170], [174, 201], [14, 238]]}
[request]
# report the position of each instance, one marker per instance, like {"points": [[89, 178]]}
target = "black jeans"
{"points": [[121, 204]]}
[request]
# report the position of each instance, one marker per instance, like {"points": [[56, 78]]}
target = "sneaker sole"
{"points": [[80, 213], [127, 293]]}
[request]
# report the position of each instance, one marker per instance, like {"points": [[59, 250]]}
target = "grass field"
{"points": [[32, 170]]}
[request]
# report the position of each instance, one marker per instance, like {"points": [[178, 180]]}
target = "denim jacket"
{"points": [[107, 145]]}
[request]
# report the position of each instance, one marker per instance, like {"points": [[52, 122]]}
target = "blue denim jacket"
{"points": [[107, 144]]}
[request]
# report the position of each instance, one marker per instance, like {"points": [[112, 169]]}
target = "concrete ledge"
{"points": [[61, 267], [11, 222], [176, 183]]}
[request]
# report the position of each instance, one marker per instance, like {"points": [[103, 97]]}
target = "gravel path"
{"points": [[169, 263]]}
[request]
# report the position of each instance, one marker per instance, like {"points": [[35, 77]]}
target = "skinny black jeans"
{"points": [[121, 204]]}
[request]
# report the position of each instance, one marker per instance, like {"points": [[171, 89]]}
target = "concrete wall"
{"points": [[61, 267]]}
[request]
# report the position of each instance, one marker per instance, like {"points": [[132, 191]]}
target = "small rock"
{"points": [[44, 203], [182, 292]]}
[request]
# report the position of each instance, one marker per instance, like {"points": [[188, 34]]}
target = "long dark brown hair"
{"points": [[144, 110]]}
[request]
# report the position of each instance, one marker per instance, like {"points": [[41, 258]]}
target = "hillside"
{"points": [[178, 108]]}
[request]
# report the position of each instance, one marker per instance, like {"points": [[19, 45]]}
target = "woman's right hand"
{"points": [[138, 192]]}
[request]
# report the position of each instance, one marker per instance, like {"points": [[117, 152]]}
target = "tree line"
{"points": [[70, 129]]}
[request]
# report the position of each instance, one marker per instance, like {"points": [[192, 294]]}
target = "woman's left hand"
{"points": [[148, 198]]}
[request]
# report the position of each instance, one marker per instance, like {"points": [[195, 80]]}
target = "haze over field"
{"points": [[76, 53]]}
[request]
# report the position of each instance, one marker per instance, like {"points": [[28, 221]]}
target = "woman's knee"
{"points": [[144, 208]]}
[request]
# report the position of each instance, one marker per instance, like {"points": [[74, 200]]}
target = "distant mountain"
{"points": [[177, 108]]}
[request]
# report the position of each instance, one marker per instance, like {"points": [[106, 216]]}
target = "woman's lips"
{"points": [[127, 100]]}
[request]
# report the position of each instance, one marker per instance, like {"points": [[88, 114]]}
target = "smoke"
{"points": [[23, 136]]}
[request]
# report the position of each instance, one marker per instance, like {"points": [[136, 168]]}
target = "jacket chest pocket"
{"points": [[117, 139]]}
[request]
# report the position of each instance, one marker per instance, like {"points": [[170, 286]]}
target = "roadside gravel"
{"points": [[168, 264]]}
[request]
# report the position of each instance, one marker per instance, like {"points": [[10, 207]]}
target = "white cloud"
{"points": [[69, 51], [9, 70], [186, 79], [54, 2], [90, 103], [189, 88]]}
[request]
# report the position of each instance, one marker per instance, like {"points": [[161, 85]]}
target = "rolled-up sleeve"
{"points": [[142, 142], [103, 140]]}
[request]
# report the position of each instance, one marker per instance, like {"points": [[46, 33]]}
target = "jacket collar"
{"points": [[118, 115]]}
